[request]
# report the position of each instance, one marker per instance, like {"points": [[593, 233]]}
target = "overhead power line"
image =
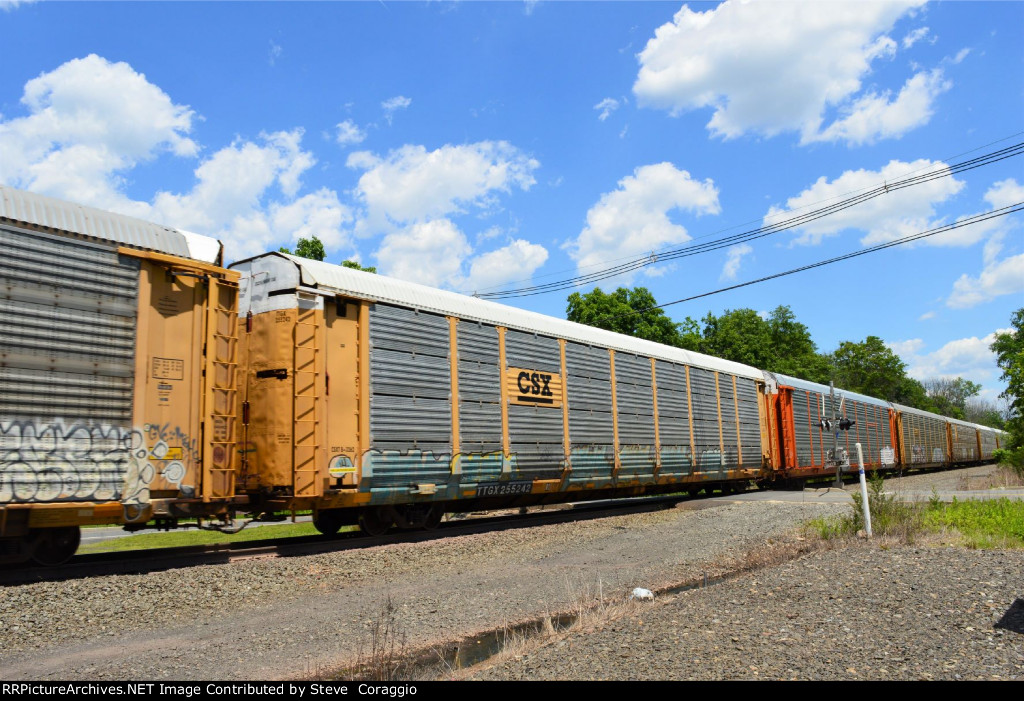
{"points": [[968, 221], [766, 230]]}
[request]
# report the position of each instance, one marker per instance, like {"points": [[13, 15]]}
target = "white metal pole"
{"points": [[864, 491]]}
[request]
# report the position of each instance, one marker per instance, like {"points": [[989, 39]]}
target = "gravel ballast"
{"points": [[310, 616], [860, 612]]}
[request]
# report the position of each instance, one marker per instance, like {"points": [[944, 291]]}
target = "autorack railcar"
{"points": [[117, 364], [392, 402]]}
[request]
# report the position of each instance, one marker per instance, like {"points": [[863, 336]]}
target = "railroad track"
{"points": [[153, 560]]}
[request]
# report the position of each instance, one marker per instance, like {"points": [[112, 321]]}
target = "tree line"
{"points": [[777, 342]]}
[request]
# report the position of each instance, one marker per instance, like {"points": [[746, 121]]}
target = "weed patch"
{"points": [[994, 523]]}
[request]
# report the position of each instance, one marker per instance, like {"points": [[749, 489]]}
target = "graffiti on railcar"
{"points": [[54, 461], [676, 460], [154, 450], [76, 461], [377, 461]]}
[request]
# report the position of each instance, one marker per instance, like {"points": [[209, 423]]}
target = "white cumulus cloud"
{"points": [[1001, 278], [414, 184], [8, 5], [876, 116], [430, 253], [605, 107], [88, 121], [392, 105], [349, 133], [633, 220], [890, 216], [411, 196], [998, 277], [770, 67], [906, 348], [516, 261], [915, 36], [1005, 193], [970, 358], [734, 257], [246, 195]]}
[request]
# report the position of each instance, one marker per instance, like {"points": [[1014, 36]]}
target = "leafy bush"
{"points": [[1011, 457], [889, 516]]}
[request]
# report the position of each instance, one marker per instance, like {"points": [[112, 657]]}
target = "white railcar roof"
{"points": [[824, 389], [356, 283], [21, 207], [919, 412], [961, 422]]}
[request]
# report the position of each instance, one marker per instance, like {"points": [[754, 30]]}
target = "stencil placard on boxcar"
{"points": [[503, 489], [533, 387], [168, 369]]}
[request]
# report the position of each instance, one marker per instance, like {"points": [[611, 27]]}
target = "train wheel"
{"points": [[434, 517], [55, 546], [327, 521], [375, 520], [693, 492]]}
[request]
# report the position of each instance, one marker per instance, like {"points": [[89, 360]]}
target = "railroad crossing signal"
{"points": [[841, 424]]}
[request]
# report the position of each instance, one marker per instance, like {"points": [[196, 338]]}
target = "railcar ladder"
{"points": [[220, 390], [306, 404]]}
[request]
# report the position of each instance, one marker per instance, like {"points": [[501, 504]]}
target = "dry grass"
{"points": [[383, 654], [775, 552], [591, 607], [1003, 476]]}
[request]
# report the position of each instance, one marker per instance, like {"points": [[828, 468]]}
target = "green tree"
{"points": [[627, 311], [793, 351], [950, 396], [1009, 350], [778, 344], [312, 248], [986, 413], [355, 266], [872, 368], [739, 335]]}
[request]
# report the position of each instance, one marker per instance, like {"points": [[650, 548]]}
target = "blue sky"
{"points": [[484, 145]]}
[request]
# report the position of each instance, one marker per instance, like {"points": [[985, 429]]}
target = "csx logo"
{"points": [[535, 383], [533, 388]]}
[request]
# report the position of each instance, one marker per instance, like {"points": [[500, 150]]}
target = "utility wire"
{"points": [[975, 219], [767, 230], [604, 264]]}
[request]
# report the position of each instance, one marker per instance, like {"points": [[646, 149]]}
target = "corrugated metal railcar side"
{"points": [[429, 397], [923, 440], [964, 441], [989, 441], [807, 447], [102, 368]]}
